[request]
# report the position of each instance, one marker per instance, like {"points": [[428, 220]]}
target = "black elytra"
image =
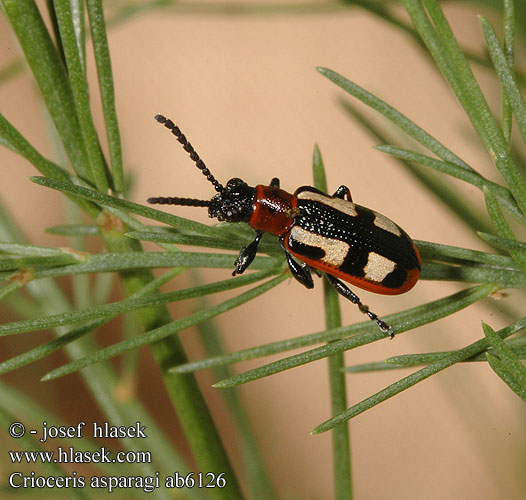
{"points": [[329, 234]]}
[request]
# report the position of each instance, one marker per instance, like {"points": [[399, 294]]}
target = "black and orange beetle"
{"points": [[327, 233]]}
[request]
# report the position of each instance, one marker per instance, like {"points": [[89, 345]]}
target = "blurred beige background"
{"points": [[244, 90]]}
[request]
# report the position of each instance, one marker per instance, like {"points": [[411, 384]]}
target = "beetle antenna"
{"points": [[172, 200], [200, 164]]}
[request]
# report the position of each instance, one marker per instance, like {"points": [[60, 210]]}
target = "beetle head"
{"points": [[234, 203]]}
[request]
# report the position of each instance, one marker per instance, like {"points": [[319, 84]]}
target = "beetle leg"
{"points": [[317, 272], [342, 192], [300, 271], [349, 294], [246, 256], [274, 182]]}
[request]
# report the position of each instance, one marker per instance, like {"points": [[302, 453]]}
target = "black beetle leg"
{"points": [[246, 256], [317, 272], [274, 182], [300, 271], [349, 294], [342, 192]]}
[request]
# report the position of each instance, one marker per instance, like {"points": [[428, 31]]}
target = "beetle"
{"points": [[329, 234]]}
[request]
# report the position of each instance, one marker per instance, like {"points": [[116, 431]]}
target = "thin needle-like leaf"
{"points": [[79, 87], [401, 121], [50, 347], [127, 206], [75, 333], [400, 322], [504, 373], [12, 139], [441, 189], [163, 331], [15, 263], [341, 451], [503, 194], [203, 241], [51, 76], [130, 304], [518, 346], [449, 57], [514, 370], [502, 226], [109, 262], [505, 243], [506, 76], [74, 230], [449, 253], [509, 43], [38, 250], [107, 92], [417, 377], [259, 484]]}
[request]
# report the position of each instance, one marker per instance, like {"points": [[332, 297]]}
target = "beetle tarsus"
{"points": [[346, 292]]}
